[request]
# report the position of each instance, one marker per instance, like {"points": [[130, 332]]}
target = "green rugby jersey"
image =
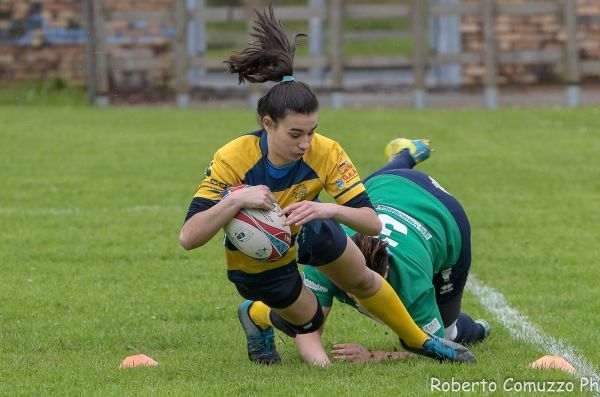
{"points": [[423, 239]]}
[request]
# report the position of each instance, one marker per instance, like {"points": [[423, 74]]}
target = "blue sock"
{"points": [[468, 331]]}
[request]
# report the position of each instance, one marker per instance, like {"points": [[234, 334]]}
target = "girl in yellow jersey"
{"points": [[288, 163]]}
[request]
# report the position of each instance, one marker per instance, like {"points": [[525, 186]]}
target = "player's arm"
{"points": [[352, 208], [203, 225], [363, 219], [356, 353], [208, 213], [310, 345]]}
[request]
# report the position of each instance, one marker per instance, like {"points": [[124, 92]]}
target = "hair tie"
{"points": [[287, 79]]}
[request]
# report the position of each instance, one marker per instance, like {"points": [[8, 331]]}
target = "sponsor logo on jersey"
{"points": [[339, 183], [446, 274], [344, 167], [218, 183], [347, 170], [432, 327], [406, 218], [314, 286], [446, 288]]}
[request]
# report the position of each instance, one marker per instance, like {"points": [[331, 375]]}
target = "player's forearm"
{"points": [[203, 226], [364, 220]]}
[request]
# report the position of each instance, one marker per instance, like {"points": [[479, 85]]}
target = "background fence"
{"points": [[432, 42]]}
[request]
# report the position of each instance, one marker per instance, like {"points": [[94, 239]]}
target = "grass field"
{"points": [[91, 205]]}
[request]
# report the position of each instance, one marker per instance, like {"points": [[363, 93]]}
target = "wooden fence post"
{"points": [[315, 38], [101, 54], [90, 50], [419, 29], [490, 55], [180, 53], [444, 33], [197, 36], [572, 75], [251, 6], [336, 15]]}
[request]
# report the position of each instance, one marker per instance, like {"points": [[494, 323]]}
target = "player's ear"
{"points": [[268, 123]]}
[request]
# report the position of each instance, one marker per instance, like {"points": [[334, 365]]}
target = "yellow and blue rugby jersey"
{"points": [[325, 166]]}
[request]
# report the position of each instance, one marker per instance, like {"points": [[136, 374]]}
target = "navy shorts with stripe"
{"points": [[319, 242]]}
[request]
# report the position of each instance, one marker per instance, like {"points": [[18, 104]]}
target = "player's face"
{"points": [[290, 137]]}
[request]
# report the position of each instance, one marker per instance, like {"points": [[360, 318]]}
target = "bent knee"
{"points": [[364, 284]]}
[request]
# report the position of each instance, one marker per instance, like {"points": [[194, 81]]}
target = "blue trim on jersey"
{"points": [[259, 175], [279, 172], [257, 133], [345, 190], [262, 143]]}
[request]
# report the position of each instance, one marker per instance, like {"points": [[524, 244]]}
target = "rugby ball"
{"points": [[258, 233]]}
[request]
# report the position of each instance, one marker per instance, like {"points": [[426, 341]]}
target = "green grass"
{"points": [[52, 92], [92, 202]]}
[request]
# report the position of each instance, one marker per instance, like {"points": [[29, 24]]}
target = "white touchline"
{"points": [[520, 327]]}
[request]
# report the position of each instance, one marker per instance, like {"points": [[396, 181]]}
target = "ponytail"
{"points": [[270, 58]]}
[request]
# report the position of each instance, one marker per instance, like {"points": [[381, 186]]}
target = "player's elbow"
{"points": [[375, 230], [373, 226], [187, 242]]}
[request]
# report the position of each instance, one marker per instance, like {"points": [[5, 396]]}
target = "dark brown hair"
{"points": [[270, 58], [374, 250]]}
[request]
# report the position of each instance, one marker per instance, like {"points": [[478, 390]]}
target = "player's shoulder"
{"points": [[323, 143], [322, 150], [244, 146]]}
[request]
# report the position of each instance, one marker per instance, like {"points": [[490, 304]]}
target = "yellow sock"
{"points": [[386, 306], [259, 313]]}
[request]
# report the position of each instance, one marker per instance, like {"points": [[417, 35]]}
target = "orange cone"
{"points": [[556, 362], [137, 360]]}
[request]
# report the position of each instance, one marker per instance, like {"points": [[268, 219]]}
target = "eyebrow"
{"points": [[301, 130]]}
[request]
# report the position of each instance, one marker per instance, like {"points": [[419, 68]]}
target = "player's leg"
{"points": [[326, 245], [281, 301], [460, 327], [449, 284], [418, 148], [405, 155]]}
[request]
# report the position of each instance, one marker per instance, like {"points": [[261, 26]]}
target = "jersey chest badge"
{"points": [[300, 192]]}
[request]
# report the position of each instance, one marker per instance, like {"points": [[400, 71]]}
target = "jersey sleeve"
{"points": [[324, 289], [342, 182], [218, 177]]}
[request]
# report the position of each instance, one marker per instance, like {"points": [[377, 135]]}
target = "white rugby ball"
{"points": [[258, 233]]}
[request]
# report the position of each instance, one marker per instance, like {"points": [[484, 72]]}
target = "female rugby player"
{"points": [[423, 251], [288, 163]]}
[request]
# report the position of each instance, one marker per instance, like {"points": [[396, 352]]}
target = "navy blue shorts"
{"points": [[319, 242], [448, 283]]}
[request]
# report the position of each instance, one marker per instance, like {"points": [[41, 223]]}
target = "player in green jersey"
{"points": [[423, 251]]}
